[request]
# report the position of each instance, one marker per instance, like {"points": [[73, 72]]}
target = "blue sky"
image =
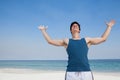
{"points": [[20, 38]]}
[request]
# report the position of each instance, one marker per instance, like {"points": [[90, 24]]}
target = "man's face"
{"points": [[75, 28]]}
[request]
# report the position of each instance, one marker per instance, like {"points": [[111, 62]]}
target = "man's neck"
{"points": [[76, 36]]}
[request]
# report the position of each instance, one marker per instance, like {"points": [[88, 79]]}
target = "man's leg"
{"points": [[79, 75]]}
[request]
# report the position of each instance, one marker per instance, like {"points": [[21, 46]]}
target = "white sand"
{"points": [[21, 74]]}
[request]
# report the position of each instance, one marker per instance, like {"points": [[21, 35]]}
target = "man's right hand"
{"points": [[41, 27]]}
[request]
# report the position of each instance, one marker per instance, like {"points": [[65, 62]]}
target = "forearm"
{"points": [[48, 39], [46, 36], [94, 41], [106, 33]]}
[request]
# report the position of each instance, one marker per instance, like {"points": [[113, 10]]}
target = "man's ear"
{"points": [[70, 31]]}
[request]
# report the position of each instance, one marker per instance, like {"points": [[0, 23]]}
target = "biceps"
{"points": [[57, 42], [95, 41]]}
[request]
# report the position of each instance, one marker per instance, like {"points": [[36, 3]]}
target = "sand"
{"points": [[23, 74]]}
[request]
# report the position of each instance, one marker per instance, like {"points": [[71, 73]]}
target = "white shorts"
{"points": [[87, 75]]}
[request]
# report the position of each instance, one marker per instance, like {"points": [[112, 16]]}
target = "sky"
{"points": [[20, 38]]}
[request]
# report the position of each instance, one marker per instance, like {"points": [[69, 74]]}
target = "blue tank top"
{"points": [[77, 51]]}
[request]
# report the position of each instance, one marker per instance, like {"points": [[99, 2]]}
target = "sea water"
{"points": [[104, 65]]}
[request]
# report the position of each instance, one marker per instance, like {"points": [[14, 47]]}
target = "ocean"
{"points": [[104, 65]]}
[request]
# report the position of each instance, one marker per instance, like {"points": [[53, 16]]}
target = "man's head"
{"points": [[75, 27]]}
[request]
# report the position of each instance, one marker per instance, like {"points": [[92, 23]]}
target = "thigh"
{"points": [[79, 75], [87, 75]]}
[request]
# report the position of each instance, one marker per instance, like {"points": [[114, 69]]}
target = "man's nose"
{"points": [[75, 26]]}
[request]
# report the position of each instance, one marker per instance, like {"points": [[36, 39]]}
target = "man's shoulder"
{"points": [[87, 39], [66, 40]]}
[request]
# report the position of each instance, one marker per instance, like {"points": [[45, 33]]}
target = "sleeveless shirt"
{"points": [[77, 51]]}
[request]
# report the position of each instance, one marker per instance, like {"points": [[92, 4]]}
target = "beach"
{"points": [[27, 74], [54, 69]]}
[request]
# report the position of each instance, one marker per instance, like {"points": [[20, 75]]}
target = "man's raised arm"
{"points": [[48, 38], [94, 41]]}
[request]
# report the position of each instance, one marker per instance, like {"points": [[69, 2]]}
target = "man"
{"points": [[77, 48]]}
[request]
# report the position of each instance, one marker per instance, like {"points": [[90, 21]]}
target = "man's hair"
{"points": [[75, 22]]}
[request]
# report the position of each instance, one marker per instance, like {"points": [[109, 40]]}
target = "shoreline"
{"points": [[29, 74], [39, 70], [23, 70]]}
